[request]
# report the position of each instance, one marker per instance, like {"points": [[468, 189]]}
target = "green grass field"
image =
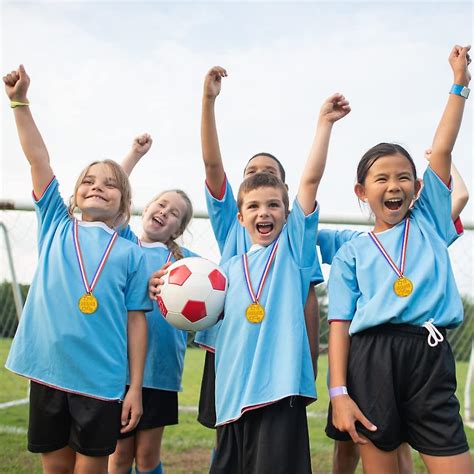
{"points": [[187, 446]]}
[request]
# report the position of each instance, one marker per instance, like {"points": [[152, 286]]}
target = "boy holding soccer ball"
{"points": [[264, 374]]}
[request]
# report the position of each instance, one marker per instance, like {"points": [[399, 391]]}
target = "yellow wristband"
{"points": [[14, 104]]}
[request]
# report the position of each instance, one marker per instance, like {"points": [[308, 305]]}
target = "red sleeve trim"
{"points": [[222, 190], [44, 190], [458, 225]]}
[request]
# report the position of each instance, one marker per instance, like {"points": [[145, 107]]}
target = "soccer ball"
{"points": [[193, 293]]}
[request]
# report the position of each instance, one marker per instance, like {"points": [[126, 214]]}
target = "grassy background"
{"points": [[187, 446]]}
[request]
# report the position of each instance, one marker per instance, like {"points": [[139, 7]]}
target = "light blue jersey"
{"points": [[258, 364], [166, 345], [232, 239], [361, 280], [56, 344]]}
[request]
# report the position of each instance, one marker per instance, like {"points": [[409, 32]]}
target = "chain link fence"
{"points": [[18, 236]]}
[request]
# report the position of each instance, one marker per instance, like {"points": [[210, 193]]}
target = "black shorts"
{"points": [[406, 388], [207, 398], [269, 440], [160, 408], [59, 419]]}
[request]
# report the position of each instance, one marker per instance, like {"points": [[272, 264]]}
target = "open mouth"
{"points": [[264, 228], [393, 204], [158, 220]]}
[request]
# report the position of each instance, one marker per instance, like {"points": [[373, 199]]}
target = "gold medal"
{"points": [[255, 313], [88, 303], [403, 286]]}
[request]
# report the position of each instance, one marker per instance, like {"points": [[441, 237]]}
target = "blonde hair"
{"points": [[185, 220], [123, 185]]}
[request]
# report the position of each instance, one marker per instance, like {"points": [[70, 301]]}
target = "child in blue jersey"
{"points": [[165, 218], [232, 238], [84, 311], [346, 452], [264, 373], [389, 360]]}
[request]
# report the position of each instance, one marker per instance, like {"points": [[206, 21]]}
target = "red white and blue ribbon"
{"points": [[399, 271], [105, 256], [245, 262]]}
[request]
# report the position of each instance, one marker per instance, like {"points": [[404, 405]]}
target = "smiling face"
{"points": [[263, 214], [262, 164], [389, 188], [98, 195], [163, 218]]}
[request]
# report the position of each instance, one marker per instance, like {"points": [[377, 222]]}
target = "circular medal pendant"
{"points": [[255, 313], [403, 286], [88, 303]]}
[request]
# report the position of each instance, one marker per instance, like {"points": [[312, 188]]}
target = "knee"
{"points": [[147, 458]]}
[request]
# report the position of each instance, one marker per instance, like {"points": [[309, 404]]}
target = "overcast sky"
{"points": [[102, 72]]}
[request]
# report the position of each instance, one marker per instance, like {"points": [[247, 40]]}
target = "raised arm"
{"points": [[140, 147], [16, 87], [211, 153], [333, 109], [460, 194], [448, 128]]}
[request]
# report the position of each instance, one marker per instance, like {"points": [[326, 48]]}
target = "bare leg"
{"points": [[311, 318], [376, 461], [345, 457], [148, 448], [60, 461], [89, 464], [405, 460], [122, 459], [458, 464]]}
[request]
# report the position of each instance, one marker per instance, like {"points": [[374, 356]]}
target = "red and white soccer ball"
{"points": [[193, 293]]}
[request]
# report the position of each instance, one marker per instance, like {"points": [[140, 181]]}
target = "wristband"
{"points": [[336, 391], [458, 89], [14, 104]]}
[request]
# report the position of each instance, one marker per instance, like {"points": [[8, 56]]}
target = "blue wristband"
{"points": [[458, 89]]}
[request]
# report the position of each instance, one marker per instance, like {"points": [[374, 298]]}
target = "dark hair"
{"points": [[262, 180], [378, 151], [269, 155]]}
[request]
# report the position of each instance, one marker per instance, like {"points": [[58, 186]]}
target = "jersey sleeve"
{"points": [[343, 289], [330, 241], [302, 232], [128, 234], [136, 291], [434, 204], [50, 212], [222, 212]]}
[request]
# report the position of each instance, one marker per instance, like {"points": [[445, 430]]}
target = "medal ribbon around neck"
{"points": [[88, 303], [402, 286], [255, 311]]}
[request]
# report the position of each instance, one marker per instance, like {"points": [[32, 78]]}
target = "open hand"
{"points": [[345, 413], [156, 281]]}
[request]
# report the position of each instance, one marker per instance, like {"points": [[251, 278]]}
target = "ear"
{"points": [[418, 187], [240, 218], [359, 189]]}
